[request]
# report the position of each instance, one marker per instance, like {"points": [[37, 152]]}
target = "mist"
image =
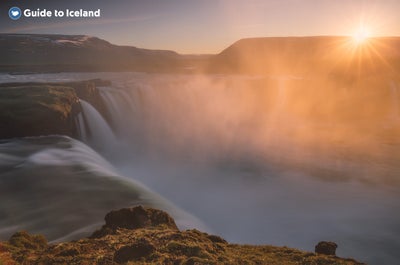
{"points": [[279, 159]]}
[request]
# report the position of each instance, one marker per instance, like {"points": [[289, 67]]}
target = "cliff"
{"points": [[148, 236], [35, 109]]}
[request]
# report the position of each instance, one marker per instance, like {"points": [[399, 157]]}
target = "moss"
{"points": [[188, 250], [155, 245], [23, 240]]}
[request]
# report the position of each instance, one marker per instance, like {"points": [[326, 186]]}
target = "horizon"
{"points": [[207, 27], [173, 50]]}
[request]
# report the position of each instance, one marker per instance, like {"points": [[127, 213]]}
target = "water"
{"points": [[97, 132], [277, 161], [61, 188]]}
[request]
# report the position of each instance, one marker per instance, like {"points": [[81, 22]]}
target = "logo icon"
{"points": [[14, 13]]}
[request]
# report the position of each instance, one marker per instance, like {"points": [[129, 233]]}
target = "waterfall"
{"points": [[94, 129], [119, 103], [80, 124]]}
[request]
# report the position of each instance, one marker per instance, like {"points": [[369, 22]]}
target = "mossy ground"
{"points": [[169, 246]]}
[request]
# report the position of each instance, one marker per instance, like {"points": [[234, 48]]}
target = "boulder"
{"points": [[135, 218], [326, 248]]}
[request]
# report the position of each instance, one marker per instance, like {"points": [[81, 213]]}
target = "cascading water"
{"points": [[80, 124], [97, 132]]}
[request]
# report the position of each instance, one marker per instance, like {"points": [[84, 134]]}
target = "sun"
{"points": [[361, 36]]}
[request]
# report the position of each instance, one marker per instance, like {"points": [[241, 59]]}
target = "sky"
{"points": [[207, 26]]}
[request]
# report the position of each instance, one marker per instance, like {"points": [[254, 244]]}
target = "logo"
{"points": [[14, 13]]}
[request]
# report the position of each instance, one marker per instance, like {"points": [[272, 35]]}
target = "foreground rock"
{"points": [[326, 248], [147, 236], [35, 109]]}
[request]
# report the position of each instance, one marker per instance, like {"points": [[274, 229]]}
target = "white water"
{"points": [[101, 135], [251, 162]]}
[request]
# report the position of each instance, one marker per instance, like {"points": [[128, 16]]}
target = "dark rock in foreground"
{"points": [[326, 248], [148, 236], [135, 218]]}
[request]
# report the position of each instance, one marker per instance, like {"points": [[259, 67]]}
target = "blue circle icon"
{"points": [[14, 13]]}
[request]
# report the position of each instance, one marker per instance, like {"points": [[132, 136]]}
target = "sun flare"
{"points": [[361, 36]]}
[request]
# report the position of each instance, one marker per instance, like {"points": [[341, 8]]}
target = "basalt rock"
{"points": [[135, 218], [326, 248]]}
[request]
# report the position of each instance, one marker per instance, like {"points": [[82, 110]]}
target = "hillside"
{"points": [[148, 236], [27, 53], [309, 55], [52, 53]]}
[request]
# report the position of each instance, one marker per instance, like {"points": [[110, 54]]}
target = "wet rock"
{"points": [[326, 248], [133, 252]]}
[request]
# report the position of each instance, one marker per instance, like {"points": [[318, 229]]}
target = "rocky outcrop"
{"points": [[134, 218], [35, 109], [148, 236], [326, 248]]}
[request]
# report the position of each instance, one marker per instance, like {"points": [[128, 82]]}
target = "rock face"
{"points": [[326, 248], [148, 236], [35, 109]]}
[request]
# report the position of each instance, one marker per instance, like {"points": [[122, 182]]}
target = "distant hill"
{"points": [[34, 52], [265, 56], [308, 55]]}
